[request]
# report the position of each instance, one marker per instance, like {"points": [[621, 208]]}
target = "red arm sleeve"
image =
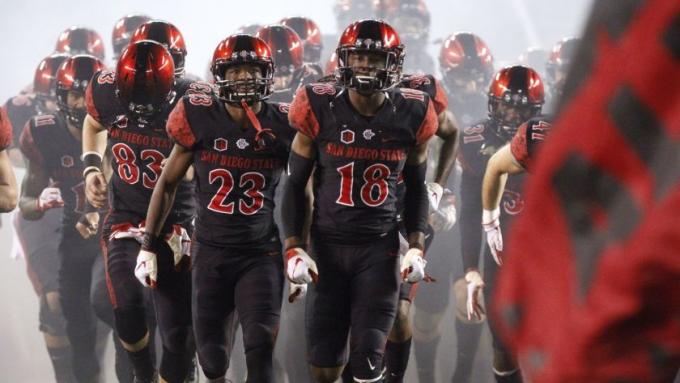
{"points": [[441, 102], [301, 116], [518, 146], [178, 127], [5, 130], [89, 100], [28, 146], [429, 125]]}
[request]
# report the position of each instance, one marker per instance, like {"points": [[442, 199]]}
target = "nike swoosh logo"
{"points": [[370, 365]]}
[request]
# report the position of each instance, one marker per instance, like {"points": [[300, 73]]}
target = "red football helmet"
{"points": [[123, 30], [560, 58], [145, 79], [167, 35], [285, 45], [44, 80], [372, 36], [310, 34], [74, 75], [516, 94], [79, 40], [237, 50], [465, 57]]}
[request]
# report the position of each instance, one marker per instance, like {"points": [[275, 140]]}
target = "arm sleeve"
{"points": [[301, 116], [293, 208], [178, 127], [519, 146], [429, 125], [28, 146], [5, 130], [416, 201]]}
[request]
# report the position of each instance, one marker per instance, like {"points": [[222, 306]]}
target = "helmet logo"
{"points": [[347, 136], [221, 144]]}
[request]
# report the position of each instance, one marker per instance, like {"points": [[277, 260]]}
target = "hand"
{"points": [[444, 218], [434, 193], [494, 238], [88, 224], [146, 270], [300, 267], [475, 285], [296, 292], [95, 189], [50, 198], [413, 266]]}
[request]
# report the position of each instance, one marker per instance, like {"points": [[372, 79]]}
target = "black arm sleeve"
{"points": [[416, 202], [293, 203], [471, 219]]}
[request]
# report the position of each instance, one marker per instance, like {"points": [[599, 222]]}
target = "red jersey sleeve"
{"points": [[28, 146], [89, 101], [178, 127], [301, 116], [5, 130], [441, 102], [518, 146], [429, 125]]}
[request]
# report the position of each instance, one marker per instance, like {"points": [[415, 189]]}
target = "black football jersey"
{"points": [[478, 143], [6, 134], [137, 152], [47, 143], [359, 159], [528, 139], [236, 173], [19, 109]]}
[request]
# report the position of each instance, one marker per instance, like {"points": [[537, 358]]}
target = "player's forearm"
{"points": [[448, 131], [94, 136], [416, 204], [492, 187], [31, 186], [161, 202], [295, 209]]}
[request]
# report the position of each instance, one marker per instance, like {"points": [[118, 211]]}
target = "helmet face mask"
{"points": [[243, 69], [370, 57]]}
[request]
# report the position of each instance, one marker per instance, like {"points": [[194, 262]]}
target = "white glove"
{"points": [[296, 292], [494, 238], [146, 270], [50, 198], [413, 266], [475, 284], [300, 267], [179, 242], [444, 218], [434, 193]]}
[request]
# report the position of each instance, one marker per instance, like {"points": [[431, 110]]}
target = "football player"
{"points": [[127, 110], [358, 136], [238, 145], [556, 67], [80, 40], [311, 37], [513, 158], [52, 145], [516, 94]]}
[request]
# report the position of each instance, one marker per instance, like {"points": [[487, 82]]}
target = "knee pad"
{"points": [[258, 335], [214, 360], [51, 317], [366, 356], [130, 323], [176, 339]]}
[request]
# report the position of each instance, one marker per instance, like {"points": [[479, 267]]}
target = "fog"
{"points": [[29, 30]]}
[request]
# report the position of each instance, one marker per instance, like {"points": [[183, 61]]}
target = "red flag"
{"points": [[591, 288]]}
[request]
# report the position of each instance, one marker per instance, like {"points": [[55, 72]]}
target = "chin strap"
{"points": [[262, 134]]}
